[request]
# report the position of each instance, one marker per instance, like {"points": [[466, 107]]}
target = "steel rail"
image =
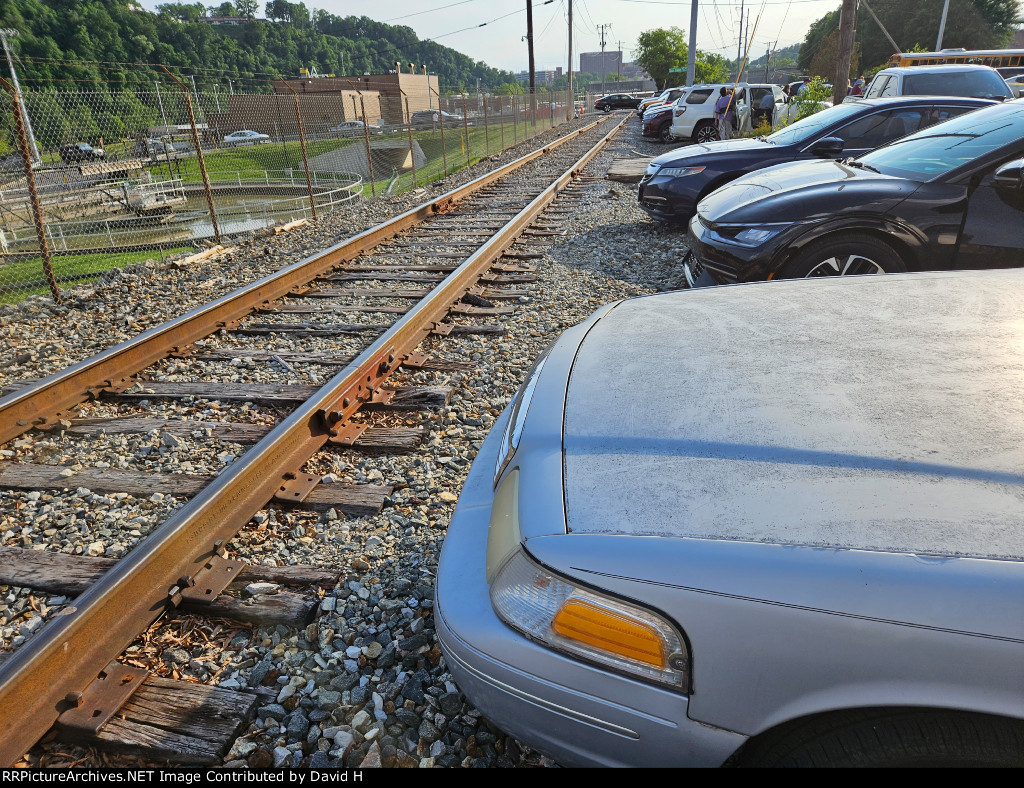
{"points": [[39, 404], [70, 651]]}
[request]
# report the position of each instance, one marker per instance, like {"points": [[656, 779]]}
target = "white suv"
{"points": [[693, 116], [954, 80]]}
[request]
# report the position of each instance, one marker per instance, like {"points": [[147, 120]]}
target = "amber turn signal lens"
{"points": [[588, 623]]}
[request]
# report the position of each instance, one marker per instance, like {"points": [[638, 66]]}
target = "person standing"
{"points": [[725, 113], [765, 109], [858, 86]]}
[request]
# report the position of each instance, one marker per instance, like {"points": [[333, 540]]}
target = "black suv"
{"points": [[80, 151], [616, 101]]}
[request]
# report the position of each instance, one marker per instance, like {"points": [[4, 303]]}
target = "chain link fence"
{"points": [[94, 179]]}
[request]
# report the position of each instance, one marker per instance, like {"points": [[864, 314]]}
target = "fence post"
{"points": [[515, 119], [501, 117], [302, 146], [33, 195], [487, 136], [465, 126], [199, 153], [444, 150], [412, 150], [366, 139]]}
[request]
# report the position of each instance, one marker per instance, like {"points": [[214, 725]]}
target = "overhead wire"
{"points": [[427, 11]]}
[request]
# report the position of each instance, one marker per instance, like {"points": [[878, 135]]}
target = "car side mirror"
{"points": [[1010, 176], [827, 146]]}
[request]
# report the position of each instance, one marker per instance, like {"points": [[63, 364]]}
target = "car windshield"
{"points": [[943, 147], [979, 84], [808, 127]]}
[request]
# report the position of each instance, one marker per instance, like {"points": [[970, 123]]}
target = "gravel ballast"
{"points": [[365, 684]]}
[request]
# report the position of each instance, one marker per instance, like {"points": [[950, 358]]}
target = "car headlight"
{"points": [[652, 169], [517, 418], [590, 626], [679, 172], [748, 236]]}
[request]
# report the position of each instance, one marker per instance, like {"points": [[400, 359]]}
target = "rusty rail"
{"points": [[39, 682]]}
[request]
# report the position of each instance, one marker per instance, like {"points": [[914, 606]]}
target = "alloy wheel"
{"points": [[707, 133], [845, 265]]}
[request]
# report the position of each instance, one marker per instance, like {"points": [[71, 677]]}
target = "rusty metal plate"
{"points": [[415, 360], [346, 433], [442, 329], [382, 397], [90, 710], [213, 578], [296, 488]]}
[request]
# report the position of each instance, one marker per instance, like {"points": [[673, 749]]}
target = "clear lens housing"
{"points": [[680, 172], [527, 597], [517, 418]]}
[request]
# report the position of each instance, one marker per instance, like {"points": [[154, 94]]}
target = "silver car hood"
{"points": [[876, 413]]}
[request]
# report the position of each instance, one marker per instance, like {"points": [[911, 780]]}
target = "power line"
{"points": [[482, 24], [428, 11]]}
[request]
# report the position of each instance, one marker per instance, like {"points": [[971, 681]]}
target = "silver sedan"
{"points": [[769, 524]]}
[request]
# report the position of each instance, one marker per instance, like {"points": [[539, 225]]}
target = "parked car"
{"points": [[694, 115], [657, 122], [668, 96], [802, 548], [949, 196], [246, 137], [431, 118], [675, 182], [1016, 85], [80, 151], [955, 80], [355, 128], [616, 101]]}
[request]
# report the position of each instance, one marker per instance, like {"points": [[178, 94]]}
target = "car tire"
{"points": [[844, 255], [706, 131], [665, 133], [891, 738]]}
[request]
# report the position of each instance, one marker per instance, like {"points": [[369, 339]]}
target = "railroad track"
{"points": [[434, 270]]}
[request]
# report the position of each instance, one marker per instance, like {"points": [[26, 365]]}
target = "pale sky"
{"points": [[499, 42]]}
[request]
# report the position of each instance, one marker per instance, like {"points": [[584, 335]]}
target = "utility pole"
{"points": [[691, 55], [604, 72], [942, 26], [5, 33], [529, 45], [571, 110], [841, 81], [739, 43], [618, 71]]}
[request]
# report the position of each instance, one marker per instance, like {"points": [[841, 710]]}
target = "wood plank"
{"points": [[302, 309], [464, 309], [385, 276], [388, 266], [377, 439], [356, 292], [405, 399], [311, 329], [246, 392], [179, 721], [438, 364], [627, 170], [354, 500], [285, 607], [71, 575]]}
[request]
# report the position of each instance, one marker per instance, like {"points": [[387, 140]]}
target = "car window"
{"points": [[879, 128], [891, 87], [877, 84], [674, 95], [804, 129], [698, 96], [980, 84], [939, 149]]}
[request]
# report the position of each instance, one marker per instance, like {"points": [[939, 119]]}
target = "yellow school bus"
{"points": [[996, 58]]}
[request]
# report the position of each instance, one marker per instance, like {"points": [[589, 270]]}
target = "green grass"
{"points": [[31, 270]]}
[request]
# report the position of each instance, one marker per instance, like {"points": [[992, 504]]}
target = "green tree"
{"points": [[247, 8], [659, 50]]}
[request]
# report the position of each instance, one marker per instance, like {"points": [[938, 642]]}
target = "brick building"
{"points": [[391, 91]]}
